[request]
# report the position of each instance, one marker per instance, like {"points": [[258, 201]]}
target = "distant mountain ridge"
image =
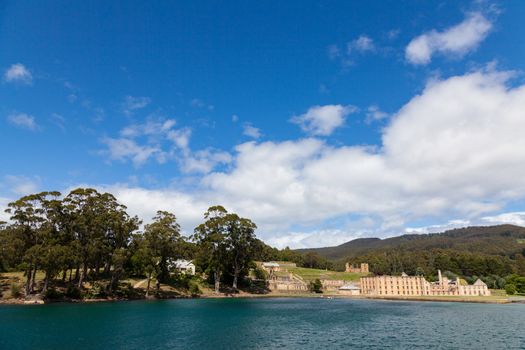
{"points": [[501, 240]]}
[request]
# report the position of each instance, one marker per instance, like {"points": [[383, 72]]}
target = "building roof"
{"points": [[183, 264], [349, 287], [270, 264], [479, 283]]}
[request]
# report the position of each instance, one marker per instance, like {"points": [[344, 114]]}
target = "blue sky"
{"points": [[321, 121]]}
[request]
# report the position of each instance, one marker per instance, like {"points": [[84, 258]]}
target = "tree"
{"points": [[162, 238], [316, 286], [100, 226], [240, 241], [211, 239], [35, 221]]}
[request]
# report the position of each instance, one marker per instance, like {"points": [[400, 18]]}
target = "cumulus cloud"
{"points": [[18, 73], [251, 131], [452, 151], [23, 121], [323, 120], [131, 104], [456, 41]]}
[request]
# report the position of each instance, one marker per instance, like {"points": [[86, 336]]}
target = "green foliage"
{"points": [[52, 294], [194, 288], [316, 286], [510, 289], [260, 274], [73, 292], [16, 291], [518, 282]]}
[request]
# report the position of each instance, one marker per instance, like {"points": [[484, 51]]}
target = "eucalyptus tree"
{"points": [[241, 241], [100, 227], [163, 239], [211, 239], [35, 220]]}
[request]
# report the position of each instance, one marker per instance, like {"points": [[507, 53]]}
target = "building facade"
{"points": [[361, 268], [405, 285]]}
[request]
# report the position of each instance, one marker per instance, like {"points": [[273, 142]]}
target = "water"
{"points": [[263, 324]]}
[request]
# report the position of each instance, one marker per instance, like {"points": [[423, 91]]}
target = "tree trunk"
{"points": [[83, 274], [46, 283], [32, 287], [147, 287], [217, 278], [64, 275], [70, 275], [29, 278], [235, 277], [77, 273]]}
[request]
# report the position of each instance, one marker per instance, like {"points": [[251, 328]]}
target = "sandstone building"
{"points": [[405, 285], [362, 268]]}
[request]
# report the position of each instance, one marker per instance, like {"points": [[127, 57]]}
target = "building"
{"points": [[286, 282], [349, 289], [362, 268], [405, 285], [184, 266], [271, 266]]}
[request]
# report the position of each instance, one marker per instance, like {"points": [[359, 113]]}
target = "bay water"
{"points": [[267, 323]]}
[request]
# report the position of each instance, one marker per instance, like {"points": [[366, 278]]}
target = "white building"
{"points": [[184, 266]]}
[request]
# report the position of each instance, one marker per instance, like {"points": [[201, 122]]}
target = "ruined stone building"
{"points": [[362, 268]]}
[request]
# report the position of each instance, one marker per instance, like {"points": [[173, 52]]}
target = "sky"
{"points": [[322, 121]]}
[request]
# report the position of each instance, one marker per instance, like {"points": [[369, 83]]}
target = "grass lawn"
{"points": [[312, 274]]}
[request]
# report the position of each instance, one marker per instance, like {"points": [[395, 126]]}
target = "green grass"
{"points": [[521, 240], [312, 274]]}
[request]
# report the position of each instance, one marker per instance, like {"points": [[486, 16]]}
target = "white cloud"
{"points": [[361, 44], [251, 131], [18, 73], [374, 113], [180, 137], [323, 120], [455, 150], [21, 185], [456, 41], [131, 104], [123, 149], [23, 121], [204, 161], [513, 218]]}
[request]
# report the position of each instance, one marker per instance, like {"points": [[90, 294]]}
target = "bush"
{"points": [[260, 274], [73, 292], [52, 293], [316, 286], [510, 289], [16, 291], [194, 289], [98, 290]]}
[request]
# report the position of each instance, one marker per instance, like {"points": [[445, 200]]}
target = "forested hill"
{"points": [[501, 240]]}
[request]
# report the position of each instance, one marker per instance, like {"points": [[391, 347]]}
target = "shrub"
{"points": [[98, 290], [316, 286], [260, 274], [16, 292], [194, 289], [73, 292], [510, 289], [52, 293]]}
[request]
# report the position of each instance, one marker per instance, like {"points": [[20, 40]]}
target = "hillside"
{"points": [[500, 240]]}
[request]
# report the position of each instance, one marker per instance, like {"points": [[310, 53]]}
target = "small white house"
{"points": [[184, 266]]}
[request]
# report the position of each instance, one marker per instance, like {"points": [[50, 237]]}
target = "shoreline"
{"points": [[478, 300]]}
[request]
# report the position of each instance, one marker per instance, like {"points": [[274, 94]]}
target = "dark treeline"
{"points": [[88, 236]]}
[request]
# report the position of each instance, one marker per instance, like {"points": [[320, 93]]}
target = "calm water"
{"points": [[263, 323]]}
